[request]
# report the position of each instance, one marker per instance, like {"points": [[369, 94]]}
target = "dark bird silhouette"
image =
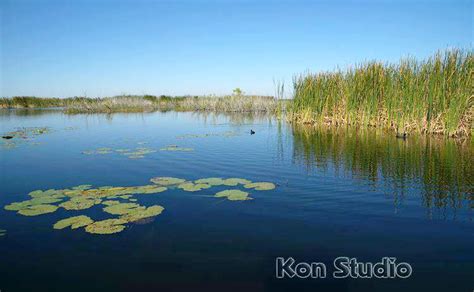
{"points": [[252, 132], [401, 136], [7, 137]]}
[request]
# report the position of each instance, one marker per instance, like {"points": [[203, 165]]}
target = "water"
{"points": [[339, 193]]}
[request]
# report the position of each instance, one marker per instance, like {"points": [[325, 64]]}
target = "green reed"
{"points": [[429, 96]]}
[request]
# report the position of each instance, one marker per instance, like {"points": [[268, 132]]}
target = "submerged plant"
{"points": [[73, 222], [233, 195], [3, 232]]}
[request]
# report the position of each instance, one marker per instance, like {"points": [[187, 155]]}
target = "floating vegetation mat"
{"points": [[121, 203], [20, 136], [176, 148], [137, 153], [207, 135]]}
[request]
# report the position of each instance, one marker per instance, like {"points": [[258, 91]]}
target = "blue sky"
{"points": [[103, 48]]}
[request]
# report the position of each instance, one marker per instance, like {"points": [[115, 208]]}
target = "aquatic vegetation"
{"points": [[213, 181], [3, 232], [233, 195], [139, 152], [73, 222], [80, 203], [432, 96], [22, 136], [224, 134], [108, 226], [166, 180], [120, 201], [232, 182], [82, 187], [176, 148], [136, 214], [121, 208], [35, 210], [191, 187], [110, 202], [260, 186]]}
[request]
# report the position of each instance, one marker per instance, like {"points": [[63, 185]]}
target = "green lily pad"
{"points": [[122, 208], [232, 182], [73, 222], [139, 213], [191, 187], [108, 226], [80, 203], [36, 210], [260, 186], [166, 180], [110, 202], [213, 181], [233, 195], [82, 187], [176, 148], [17, 206]]}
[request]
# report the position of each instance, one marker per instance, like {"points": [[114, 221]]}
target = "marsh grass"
{"points": [[431, 96]]}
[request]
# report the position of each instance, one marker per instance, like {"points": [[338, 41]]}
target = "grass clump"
{"points": [[432, 96]]}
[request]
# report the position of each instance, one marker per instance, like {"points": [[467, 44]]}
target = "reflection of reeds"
{"points": [[430, 96], [442, 168]]}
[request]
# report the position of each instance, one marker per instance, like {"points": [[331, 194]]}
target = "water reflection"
{"points": [[441, 171]]}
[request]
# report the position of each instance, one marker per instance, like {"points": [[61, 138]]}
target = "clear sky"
{"points": [[102, 48]]}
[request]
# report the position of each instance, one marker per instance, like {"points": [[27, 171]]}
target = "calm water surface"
{"points": [[339, 193]]}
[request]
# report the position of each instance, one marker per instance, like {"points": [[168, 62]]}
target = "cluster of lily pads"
{"points": [[176, 148], [224, 134], [22, 135], [119, 201], [136, 153]]}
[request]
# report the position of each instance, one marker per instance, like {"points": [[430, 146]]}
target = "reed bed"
{"points": [[31, 102], [433, 96], [151, 103]]}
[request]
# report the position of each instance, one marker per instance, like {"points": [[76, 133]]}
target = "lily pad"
{"points": [[191, 187], [108, 226], [36, 210], [260, 186], [176, 148], [73, 222], [166, 180], [82, 187], [213, 181], [236, 181], [139, 213], [110, 202], [233, 195], [122, 208], [80, 203]]}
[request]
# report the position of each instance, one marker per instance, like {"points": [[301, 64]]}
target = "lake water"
{"points": [[339, 193]]}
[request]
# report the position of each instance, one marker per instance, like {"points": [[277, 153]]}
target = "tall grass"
{"points": [[429, 96], [145, 103]]}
